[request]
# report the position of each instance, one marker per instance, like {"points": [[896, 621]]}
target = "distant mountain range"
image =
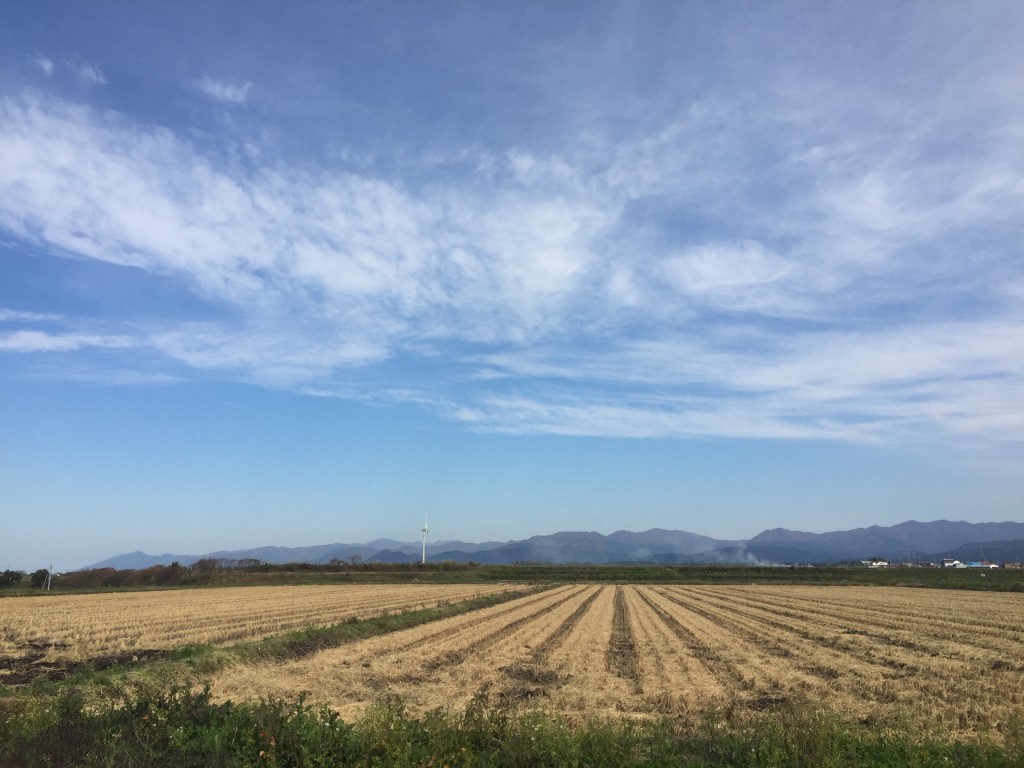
{"points": [[909, 541]]}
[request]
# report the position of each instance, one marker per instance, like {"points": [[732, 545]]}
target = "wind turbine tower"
{"points": [[424, 531]]}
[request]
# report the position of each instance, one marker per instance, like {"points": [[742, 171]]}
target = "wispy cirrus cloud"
{"points": [[675, 284], [274, 355], [42, 341], [654, 417], [359, 252], [15, 315], [226, 91], [855, 385]]}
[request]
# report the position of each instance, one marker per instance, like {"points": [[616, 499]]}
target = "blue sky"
{"points": [[301, 273]]}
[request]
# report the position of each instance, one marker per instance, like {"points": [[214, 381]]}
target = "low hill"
{"points": [[911, 540]]}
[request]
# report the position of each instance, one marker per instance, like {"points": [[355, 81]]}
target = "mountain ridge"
{"points": [[904, 541]]}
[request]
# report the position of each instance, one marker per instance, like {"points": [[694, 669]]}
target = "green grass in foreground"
{"points": [[183, 727]]}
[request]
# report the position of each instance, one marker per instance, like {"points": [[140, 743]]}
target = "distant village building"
{"points": [[951, 563], [875, 562]]}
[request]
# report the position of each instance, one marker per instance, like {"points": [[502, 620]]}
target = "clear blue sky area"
{"points": [[295, 274]]}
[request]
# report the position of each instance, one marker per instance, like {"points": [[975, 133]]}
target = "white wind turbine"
{"points": [[424, 530]]}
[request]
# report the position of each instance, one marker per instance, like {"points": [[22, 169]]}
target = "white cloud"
{"points": [[656, 418], [15, 315], [546, 264], [741, 276], [226, 91], [281, 359], [41, 341], [115, 377], [710, 268], [951, 377], [90, 74], [355, 249]]}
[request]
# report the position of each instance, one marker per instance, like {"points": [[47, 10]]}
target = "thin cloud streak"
{"points": [[16, 315], [41, 341]]}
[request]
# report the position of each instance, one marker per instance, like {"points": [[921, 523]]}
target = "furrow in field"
{"points": [[992, 618], [353, 675], [505, 671], [798, 632], [674, 679], [700, 645], [459, 654], [83, 626], [761, 674], [545, 649], [621, 657], [851, 678], [975, 681], [445, 630], [513, 643], [420, 646], [533, 676], [977, 620], [937, 688], [585, 686], [1001, 613], [592, 650], [864, 634]]}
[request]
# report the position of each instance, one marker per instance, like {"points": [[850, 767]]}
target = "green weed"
{"points": [[180, 726]]}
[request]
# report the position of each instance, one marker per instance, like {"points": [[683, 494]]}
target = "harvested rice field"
{"points": [[945, 657], [77, 627]]}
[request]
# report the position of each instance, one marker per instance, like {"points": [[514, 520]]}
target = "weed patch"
{"points": [[183, 727]]}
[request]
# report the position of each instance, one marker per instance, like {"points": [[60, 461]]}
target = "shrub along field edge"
{"points": [[264, 574]]}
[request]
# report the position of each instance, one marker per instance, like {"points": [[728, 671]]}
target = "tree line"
{"points": [[205, 571], [16, 578]]}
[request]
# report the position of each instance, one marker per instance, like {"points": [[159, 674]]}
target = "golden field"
{"points": [[948, 658], [76, 627], [944, 658]]}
